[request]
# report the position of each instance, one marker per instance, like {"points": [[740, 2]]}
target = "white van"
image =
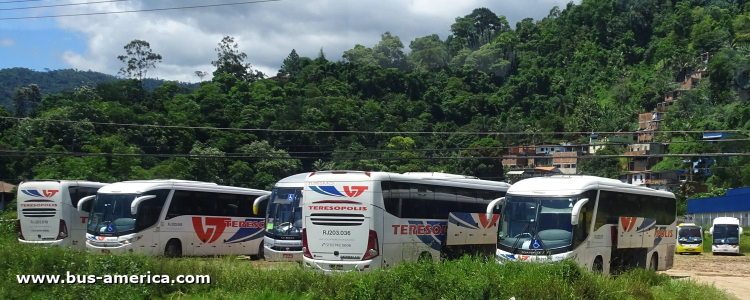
{"points": [[47, 212]]}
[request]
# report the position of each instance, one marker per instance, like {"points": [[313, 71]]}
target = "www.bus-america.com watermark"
{"points": [[148, 278]]}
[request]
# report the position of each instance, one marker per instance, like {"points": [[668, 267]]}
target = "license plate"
{"points": [[336, 267], [288, 256]]}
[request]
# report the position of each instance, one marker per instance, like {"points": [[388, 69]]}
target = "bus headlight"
{"points": [[130, 240]]}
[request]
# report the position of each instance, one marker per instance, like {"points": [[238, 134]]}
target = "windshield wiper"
{"points": [[536, 236], [518, 237]]}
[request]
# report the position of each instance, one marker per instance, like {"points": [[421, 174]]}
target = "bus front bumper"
{"points": [[725, 249], [109, 250], [502, 257], [274, 255], [690, 248], [330, 266]]}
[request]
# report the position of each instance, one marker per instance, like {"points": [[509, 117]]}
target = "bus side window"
{"points": [[585, 218], [604, 212], [390, 201], [246, 207], [180, 205], [73, 192], [150, 210]]}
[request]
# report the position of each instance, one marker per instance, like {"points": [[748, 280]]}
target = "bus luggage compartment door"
{"points": [[634, 232], [470, 233]]}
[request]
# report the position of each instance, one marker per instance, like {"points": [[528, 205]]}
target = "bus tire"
{"points": [[654, 262], [173, 248], [262, 250], [598, 265], [425, 257]]}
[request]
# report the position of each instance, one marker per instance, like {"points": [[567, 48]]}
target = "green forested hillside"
{"points": [[56, 81], [583, 68]]}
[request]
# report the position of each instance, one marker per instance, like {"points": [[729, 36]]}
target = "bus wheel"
{"points": [[425, 257], [655, 261], [173, 249], [598, 265], [261, 251]]}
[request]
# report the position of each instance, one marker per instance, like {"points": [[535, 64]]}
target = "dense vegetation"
{"points": [[583, 68], [56, 81], [232, 279]]}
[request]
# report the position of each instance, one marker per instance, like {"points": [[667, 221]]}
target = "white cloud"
{"points": [[7, 43], [267, 32]]}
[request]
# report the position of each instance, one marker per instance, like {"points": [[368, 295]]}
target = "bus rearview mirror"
{"points": [[82, 202], [498, 201], [574, 215], [137, 201], [260, 202]]}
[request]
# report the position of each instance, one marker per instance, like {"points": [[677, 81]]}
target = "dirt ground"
{"points": [[730, 273]]}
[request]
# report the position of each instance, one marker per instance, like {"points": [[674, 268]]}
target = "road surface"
{"points": [[729, 273]]}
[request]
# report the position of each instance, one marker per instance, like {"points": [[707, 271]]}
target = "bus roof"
{"points": [[61, 181], [141, 186], [562, 185], [437, 178], [726, 220], [297, 180]]}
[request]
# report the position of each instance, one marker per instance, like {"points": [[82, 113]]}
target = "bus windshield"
{"points": [[689, 235], [726, 234], [284, 214], [110, 215], [536, 223]]}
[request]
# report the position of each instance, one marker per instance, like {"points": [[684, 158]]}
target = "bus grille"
{"points": [[337, 219], [39, 212]]}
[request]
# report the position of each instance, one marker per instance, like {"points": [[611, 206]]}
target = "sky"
{"points": [[186, 39]]}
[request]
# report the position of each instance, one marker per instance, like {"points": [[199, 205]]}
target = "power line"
{"points": [[374, 132], [60, 5], [272, 155], [19, 1], [139, 10], [463, 148], [506, 156]]}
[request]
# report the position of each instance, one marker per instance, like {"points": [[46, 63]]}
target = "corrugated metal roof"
{"points": [[739, 191], [719, 204], [6, 187]]}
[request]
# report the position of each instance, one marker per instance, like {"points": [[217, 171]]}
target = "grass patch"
{"points": [[237, 279]]}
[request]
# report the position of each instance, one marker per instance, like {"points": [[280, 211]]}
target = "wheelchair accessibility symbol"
{"points": [[290, 197], [110, 228], [535, 244]]}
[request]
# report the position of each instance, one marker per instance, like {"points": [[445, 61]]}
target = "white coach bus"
{"points": [[283, 236], [47, 213], [174, 218], [602, 224], [725, 235], [363, 220]]}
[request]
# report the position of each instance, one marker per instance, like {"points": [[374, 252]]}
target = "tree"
{"points": [[138, 60], [232, 61], [361, 55], [201, 74], [321, 59], [292, 65], [26, 98], [427, 53], [602, 167], [478, 28], [320, 165], [389, 51]]}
